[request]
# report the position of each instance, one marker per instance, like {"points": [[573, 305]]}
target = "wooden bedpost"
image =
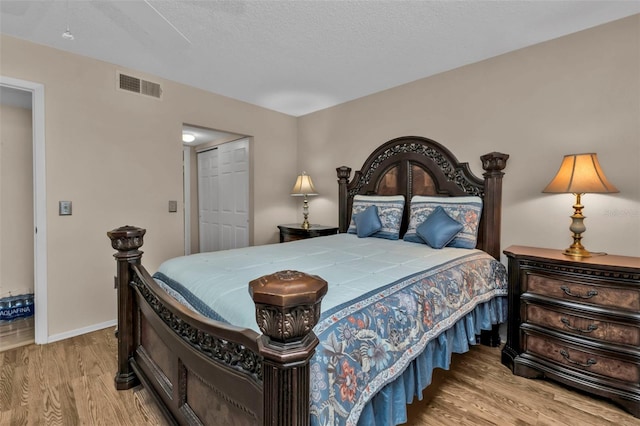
{"points": [[343, 179], [127, 240], [493, 164], [287, 309]]}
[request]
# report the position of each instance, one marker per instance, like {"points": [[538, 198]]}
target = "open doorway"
{"points": [[23, 268], [217, 170]]}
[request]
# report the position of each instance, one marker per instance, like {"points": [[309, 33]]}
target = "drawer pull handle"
{"points": [[592, 327], [589, 295], [589, 363]]}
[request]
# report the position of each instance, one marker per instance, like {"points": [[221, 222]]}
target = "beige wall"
{"points": [[16, 201], [579, 93], [118, 157]]}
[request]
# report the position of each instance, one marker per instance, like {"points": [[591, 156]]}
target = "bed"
{"points": [[356, 362]]}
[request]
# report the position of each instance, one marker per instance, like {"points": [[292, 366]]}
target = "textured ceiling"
{"points": [[299, 56]]}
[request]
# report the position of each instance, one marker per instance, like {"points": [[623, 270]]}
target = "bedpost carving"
{"points": [[287, 309], [343, 179], [127, 240], [493, 164]]}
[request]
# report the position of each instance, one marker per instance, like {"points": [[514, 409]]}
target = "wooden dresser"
{"points": [[576, 321]]}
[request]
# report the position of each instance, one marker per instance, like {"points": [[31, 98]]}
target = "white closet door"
{"points": [[208, 205], [234, 191], [223, 196]]}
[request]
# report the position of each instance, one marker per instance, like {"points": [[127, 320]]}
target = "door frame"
{"points": [[186, 183], [41, 324]]}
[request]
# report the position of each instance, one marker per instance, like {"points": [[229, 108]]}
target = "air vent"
{"points": [[137, 85]]}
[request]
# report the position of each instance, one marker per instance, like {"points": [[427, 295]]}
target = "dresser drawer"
{"points": [[582, 360], [583, 292], [576, 324]]}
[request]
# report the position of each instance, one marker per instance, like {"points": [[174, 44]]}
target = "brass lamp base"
{"points": [[305, 213], [577, 251], [577, 227]]}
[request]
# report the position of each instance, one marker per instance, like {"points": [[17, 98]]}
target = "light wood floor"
{"points": [[71, 383]]}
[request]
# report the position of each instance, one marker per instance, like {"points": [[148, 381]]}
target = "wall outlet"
{"points": [[64, 208], [173, 206]]}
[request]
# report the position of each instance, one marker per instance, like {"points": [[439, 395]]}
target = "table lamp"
{"points": [[304, 187], [579, 174]]}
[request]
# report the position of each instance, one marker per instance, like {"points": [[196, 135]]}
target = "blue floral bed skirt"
{"points": [[389, 406]]}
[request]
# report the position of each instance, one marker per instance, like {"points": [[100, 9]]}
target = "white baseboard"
{"points": [[79, 331]]}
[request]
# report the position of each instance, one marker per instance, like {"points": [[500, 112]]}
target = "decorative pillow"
{"points": [[465, 210], [368, 222], [439, 229], [390, 208]]}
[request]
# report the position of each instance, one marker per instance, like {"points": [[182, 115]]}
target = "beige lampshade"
{"points": [[303, 186], [580, 174]]}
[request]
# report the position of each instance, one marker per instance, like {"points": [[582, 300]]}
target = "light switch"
{"points": [[64, 208], [173, 206]]}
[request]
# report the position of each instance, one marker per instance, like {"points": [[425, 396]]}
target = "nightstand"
{"points": [[576, 321], [294, 231]]}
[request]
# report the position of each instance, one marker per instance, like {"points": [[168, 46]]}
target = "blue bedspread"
{"points": [[378, 349]]}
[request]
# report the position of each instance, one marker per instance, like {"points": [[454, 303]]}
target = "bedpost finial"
{"points": [[127, 238], [287, 304], [494, 162], [343, 173]]}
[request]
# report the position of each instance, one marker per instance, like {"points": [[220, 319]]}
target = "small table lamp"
{"points": [[579, 174], [304, 187]]}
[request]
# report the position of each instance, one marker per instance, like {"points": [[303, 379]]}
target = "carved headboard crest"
{"points": [[454, 174]]}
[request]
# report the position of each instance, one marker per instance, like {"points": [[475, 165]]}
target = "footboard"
{"points": [[201, 371]]}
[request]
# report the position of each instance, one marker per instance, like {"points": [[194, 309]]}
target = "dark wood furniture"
{"points": [[576, 321], [295, 231], [200, 371]]}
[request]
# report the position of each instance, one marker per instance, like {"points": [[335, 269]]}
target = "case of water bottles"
{"points": [[14, 307]]}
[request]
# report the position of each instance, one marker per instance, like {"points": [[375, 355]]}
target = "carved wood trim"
{"points": [[454, 173], [293, 323], [231, 354], [598, 273]]}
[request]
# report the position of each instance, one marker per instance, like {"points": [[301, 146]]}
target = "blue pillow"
{"points": [[439, 229], [367, 222]]}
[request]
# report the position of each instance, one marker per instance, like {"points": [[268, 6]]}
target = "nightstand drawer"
{"points": [[592, 328], [582, 360], [563, 288]]}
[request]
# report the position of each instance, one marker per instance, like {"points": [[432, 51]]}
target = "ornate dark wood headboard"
{"points": [[413, 165]]}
